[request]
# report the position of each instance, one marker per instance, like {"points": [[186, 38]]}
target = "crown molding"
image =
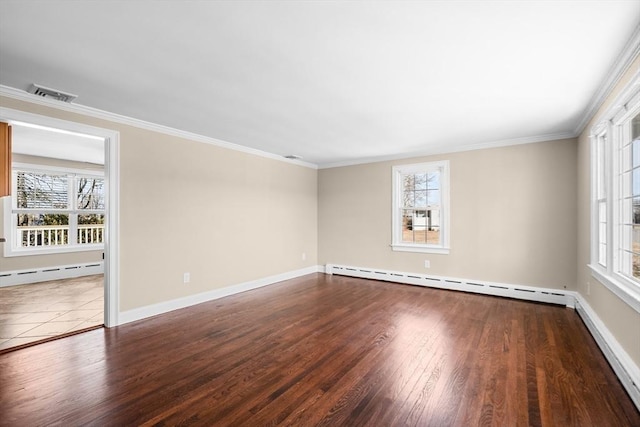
{"points": [[626, 57], [448, 150], [21, 95]]}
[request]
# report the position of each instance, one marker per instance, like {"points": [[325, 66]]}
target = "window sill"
{"points": [[627, 292], [48, 251], [420, 249]]}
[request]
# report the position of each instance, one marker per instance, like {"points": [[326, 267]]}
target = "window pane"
{"points": [[433, 220], [635, 127], [91, 228], [407, 199], [625, 262], [625, 161], [630, 256], [421, 199], [408, 182], [635, 190], [626, 184], [626, 234], [601, 190], [420, 181], [434, 198], [419, 219], [636, 239], [636, 153], [41, 191], [90, 193], [433, 181], [407, 225], [433, 236], [602, 211], [36, 230], [636, 210], [626, 214], [602, 255]]}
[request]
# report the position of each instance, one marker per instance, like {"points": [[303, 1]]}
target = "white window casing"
{"points": [[615, 197], [420, 207]]}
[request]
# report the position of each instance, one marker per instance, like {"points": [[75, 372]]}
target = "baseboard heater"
{"points": [[43, 274], [529, 293]]}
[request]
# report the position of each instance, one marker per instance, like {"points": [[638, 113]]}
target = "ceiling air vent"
{"points": [[293, 157], [47, 92]]}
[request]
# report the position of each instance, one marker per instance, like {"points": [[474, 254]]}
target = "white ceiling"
{"points": [[330, 81]]}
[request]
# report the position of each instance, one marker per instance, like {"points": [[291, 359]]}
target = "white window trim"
{"points": [[10, 249], [626, 104], [396, 243]]}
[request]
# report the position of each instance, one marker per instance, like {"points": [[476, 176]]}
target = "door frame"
{"points": [[112, 185]]}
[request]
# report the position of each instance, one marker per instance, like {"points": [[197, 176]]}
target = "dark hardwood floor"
{"points": [[324, 350]]}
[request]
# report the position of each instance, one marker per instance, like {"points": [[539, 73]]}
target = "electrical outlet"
{"points": [[186, 277], [427, 263], [304, 256]]}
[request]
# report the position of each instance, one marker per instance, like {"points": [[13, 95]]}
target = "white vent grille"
{"points": [[528, 293], [47, 92]]}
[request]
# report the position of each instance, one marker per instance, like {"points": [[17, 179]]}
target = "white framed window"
{"points": [[55, 210], [615, 198], [420, 216]]}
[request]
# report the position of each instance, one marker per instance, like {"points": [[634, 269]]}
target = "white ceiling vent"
{"points": [[47, 92]]}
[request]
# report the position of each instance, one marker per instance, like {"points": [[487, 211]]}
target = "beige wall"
{"points": [[619, 317], [49, 260], [513, 215], [224, 216]]}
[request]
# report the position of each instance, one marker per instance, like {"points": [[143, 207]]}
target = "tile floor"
{"points": [[41, 310]]}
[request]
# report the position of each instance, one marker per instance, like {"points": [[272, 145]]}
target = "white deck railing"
{"points": [[52, 235]]}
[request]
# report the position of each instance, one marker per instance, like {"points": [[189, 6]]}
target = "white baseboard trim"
{"points": [[529, 293], [626, 370], [43, 274], [167, 306]]}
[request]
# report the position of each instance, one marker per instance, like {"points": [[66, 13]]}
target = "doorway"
{"points": [[60, 253]]}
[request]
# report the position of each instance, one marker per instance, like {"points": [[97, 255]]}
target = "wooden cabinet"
{"points": [[5, 159]]}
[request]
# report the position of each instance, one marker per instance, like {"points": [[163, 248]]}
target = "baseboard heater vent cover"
{"points": [[529, 293], [35, 275]]}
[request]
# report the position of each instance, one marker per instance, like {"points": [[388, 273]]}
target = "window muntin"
{"points": [[420, 207], [56, 210]]}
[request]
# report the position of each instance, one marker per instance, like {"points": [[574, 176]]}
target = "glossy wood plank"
{"points": [[324, 350]]}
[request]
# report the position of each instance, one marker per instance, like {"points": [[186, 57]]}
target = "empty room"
{"points": [[305, 213]]}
